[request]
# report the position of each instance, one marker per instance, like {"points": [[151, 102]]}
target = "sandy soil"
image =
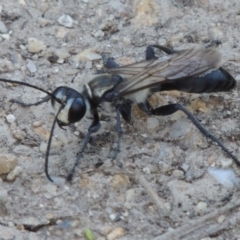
{"points": [[163, 190]]}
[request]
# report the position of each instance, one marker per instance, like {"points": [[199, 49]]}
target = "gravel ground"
{"points": [[165, 188]]}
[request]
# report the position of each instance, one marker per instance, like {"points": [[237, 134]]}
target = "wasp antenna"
{"points": [[31, 86], [49, 144]]}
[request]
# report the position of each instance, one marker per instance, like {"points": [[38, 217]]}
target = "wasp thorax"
{"points": [[73, 105]]}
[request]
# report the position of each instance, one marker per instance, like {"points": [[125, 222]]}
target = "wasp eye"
{"points": [[77, 110]]}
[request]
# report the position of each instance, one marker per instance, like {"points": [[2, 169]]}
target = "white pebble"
{"points": [[31, 67], [147, 170], [3, 28], [50, 188], [10, 118], [201, 206], [178, 173], [226, 177], [58, 180], [221, 218], [60, 61], [226, 163], [99, 34], [112, 217], [76, 133], [237, 77], [23, 47], [43, 147], [66, 21], [93, 56], [55, 70]]}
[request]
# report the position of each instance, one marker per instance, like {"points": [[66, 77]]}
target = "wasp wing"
{"points": [[183, 64]]}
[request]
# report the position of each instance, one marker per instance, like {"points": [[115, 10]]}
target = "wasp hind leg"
{"points": [[172, 108]]}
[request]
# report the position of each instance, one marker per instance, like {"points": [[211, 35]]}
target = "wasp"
{"points": [[195, 70]]}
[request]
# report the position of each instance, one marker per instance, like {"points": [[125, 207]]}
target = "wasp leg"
{"points": [[94, 127], [126, 111], [213, 43], [109, 62], [45, 99], [172, 108], [150, 54], [123, 109], [115, 149]]}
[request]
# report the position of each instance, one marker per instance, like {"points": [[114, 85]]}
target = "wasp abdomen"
{"points": [[216, 81]]}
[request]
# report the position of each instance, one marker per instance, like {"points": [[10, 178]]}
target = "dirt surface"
{"points": [[164, 183]]}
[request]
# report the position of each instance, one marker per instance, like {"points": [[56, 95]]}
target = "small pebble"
{"points": [[10, 118], [152, 124], [60, 61], [226, 163], [147, 170], [99, 34], [37, 124], [112, 216], [66, 21], [190, 174], [43, 22], [62, 53], [201, 206], [226, 177], [88, 65], [6, 66], [215, 34], [116, 233], [130, 195], [51, 188], [120, 182], [7, 162], [19, 134], [35, 45], [221, 218], [14, 173], [178, 173], [93, 56], [3, 196], [3, 28], [58, 180], [165, 167], [31, 67], [76, 133], [106, 229], [185, 167], [237, 77], [43, 147]]}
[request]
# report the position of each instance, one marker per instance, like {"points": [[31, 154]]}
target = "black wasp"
{"points": [[196, 70]]}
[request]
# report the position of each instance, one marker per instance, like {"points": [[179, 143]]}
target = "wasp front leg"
{"points": [[94, 127]]}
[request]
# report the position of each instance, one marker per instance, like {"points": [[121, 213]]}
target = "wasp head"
{"points": [[73, 105]]}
